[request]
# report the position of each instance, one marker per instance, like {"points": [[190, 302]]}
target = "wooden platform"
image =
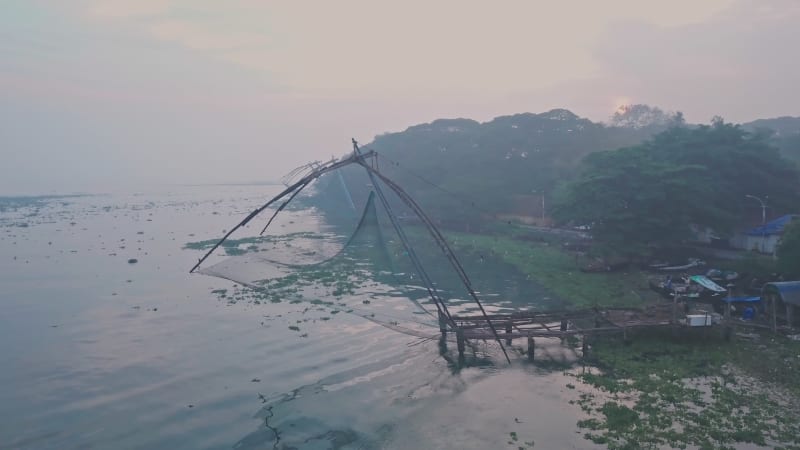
{"points": [[565, 323], [589, 322], [560, 324]]}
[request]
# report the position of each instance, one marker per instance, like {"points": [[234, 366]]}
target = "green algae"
{"points": [[660, 391]]}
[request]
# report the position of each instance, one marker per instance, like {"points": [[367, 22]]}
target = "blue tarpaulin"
{"points": [[789, 291], [741, 299], [774, 227]]}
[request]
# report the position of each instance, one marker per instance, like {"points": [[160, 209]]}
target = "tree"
{"points": [[789, 250], [647, 196], [633, 201], [645, 116], [465, 172]]}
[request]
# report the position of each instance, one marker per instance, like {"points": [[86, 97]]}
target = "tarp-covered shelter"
{"points": [[785, 292]]}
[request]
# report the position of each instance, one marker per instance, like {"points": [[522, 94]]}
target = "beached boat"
{"points": [[696, 287]]}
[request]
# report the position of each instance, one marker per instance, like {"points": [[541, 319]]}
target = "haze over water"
{"points": [[105, 353], [108, 342], [101, 94]]}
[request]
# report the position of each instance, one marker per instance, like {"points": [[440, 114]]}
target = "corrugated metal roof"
{"points": [[788, 290], [774, 227]]}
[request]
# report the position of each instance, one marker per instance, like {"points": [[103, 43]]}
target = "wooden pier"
{"points": [[586, 323]]}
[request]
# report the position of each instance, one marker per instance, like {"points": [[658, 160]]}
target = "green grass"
{"points": [[559, 271], [652, 402]]}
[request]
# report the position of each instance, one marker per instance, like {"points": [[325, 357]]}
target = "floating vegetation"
{"points": [[13, 203], [659, 392], [252, 244]]}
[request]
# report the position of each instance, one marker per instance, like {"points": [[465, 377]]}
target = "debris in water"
{"points": [[133, 261]]}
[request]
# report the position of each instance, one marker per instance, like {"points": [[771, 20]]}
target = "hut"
{"points": [[783, 292], [764, 238]]}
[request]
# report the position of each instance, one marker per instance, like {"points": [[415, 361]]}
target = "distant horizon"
{"points": [[108, 93], [134, 187]]}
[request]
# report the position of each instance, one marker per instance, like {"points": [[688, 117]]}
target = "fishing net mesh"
{"points": [[366, 273], [353, 259]]}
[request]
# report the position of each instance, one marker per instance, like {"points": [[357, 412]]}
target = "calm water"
{"points": [[101, 353]]}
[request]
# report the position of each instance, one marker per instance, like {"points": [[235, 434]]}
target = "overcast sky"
{"points": [[97, 95]]}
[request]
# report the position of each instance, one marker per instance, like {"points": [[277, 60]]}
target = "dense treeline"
{"points": [[640, 181], [461, 170], [649, 195]]}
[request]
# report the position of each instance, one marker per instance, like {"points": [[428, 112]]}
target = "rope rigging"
{"points": [[358, 157], [465, 200]]}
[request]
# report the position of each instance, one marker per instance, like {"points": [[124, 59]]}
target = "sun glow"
{"points": [[621, 103]]}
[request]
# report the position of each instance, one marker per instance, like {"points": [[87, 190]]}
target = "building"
{"points": [[764, 238]]}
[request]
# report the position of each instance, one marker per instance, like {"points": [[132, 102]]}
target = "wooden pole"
{"points": [[461, 343], [509, 329], [442, 324], [789, 315], [674, 323], [728, 330], [585, 346], [531, 347], [774, 313]]}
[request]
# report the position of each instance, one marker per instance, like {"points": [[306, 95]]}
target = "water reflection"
{"points": [[381, 404], [107, 354]]}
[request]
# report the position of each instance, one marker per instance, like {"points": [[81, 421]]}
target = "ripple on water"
{"points": [[165, 364]]}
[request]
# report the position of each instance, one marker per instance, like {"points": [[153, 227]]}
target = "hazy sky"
{"points": [[102, 94]]}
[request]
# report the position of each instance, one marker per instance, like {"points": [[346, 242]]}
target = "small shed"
{"points": [[787, 292]]}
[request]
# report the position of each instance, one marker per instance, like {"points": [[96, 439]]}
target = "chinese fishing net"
{"points": [[339, 248], [363, 273]]}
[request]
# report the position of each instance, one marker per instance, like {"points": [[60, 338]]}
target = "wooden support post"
{"points": [[728, 331], [674, 322], [443, 325], [564, 325], [774, 313], [729, 303], [443, 344], [461, 343], [585, 346], [531, 348], [675, 309], [727, 327], [789, 315], [509, 329]]}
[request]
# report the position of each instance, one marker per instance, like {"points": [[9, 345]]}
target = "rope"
{"points": [[434, 294], [462, 199]]}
